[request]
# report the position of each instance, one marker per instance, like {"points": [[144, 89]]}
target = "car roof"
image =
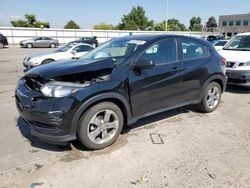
{"points": [[148, 37], [243, 34]]}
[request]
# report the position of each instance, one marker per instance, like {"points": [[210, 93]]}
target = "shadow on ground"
{"points": [[25, 130], [237, 89]]}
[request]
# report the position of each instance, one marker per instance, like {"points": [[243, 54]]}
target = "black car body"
{"points": [[154, 73], [89, 40], [3, 41]]}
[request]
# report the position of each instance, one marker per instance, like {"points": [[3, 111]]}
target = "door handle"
{"points": [[175, 68]]}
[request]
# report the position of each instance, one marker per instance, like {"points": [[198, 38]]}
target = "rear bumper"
{"points": [[238, 77]]}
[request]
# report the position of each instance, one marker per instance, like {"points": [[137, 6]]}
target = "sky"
{"points": [[87, 13]]}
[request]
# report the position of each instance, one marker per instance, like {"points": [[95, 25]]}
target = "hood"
{"points": [[235, 56], [69, 67]]}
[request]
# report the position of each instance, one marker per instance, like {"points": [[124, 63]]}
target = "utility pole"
{"points": [[167, 17]]}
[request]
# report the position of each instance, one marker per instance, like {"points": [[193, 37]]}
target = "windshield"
{"points": [[64, 48], [116, 48], [239, 43]]}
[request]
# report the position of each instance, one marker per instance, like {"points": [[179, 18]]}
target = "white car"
{"points": [[66, 52], [218, 45], [237, 54]]}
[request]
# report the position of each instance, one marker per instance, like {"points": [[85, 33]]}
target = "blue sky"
{"points": [[87, 13]]}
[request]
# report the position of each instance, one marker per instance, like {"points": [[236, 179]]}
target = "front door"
{"points": [[159, 87]]}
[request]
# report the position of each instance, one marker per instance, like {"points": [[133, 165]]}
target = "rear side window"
{"points": [[82, 48], [193, 50], [161, 52]]}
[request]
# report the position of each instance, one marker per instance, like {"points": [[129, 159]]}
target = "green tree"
{"points": [[71, 25], [135, 20], [211, 24], [173, 25], [195, 24], [30, 21], [104, 26]]}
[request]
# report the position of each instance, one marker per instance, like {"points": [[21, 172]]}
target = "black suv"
{"points": [[121, 81], [89, 40], [3, 41]]}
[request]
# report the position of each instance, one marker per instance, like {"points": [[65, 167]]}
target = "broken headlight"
{"points": [[60, 89]]}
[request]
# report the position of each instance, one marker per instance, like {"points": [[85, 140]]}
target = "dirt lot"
{"points": [[180, 148]]}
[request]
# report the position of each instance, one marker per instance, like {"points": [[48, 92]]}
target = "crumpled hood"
{"points": [[68, 67], [235, 56]]}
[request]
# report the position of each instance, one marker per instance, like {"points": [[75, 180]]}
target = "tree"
{"points": [[30, 21], [135, 20], [104, 26], [71, 25], [211, 24], [195, 24], [173, 25]]}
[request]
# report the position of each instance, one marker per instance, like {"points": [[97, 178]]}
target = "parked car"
{"points": [[121, 81], [213, 38], [66, 52], [40, 42], [3, 41], [237, 53], [218, 45], [89, 40]]}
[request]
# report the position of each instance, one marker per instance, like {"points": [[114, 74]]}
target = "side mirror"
{"points": [[73, 52], [144, 64]]}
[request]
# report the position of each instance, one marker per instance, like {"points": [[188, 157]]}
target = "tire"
{"points": [[47, 61], [52, 45], [93, 131], [211, 98], [29, 45], [1, 45]]}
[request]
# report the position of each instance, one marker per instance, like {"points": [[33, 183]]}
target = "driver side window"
{"points": [[161, 52]]}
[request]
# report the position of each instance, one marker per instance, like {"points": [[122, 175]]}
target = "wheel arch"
{"points": [[219, 78], [116, 98], [47, 59]]}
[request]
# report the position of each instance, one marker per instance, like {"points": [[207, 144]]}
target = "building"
{"points": [[230, 25]]}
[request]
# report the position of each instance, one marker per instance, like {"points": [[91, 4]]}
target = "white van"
{"points": [[237, 54]]}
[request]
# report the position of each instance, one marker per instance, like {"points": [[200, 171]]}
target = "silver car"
{"points": [[40, 42], [66, 52]]}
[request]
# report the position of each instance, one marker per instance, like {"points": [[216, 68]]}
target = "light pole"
{"points": [[167, 17]]}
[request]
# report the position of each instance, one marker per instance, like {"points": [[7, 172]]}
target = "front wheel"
{"points": [[100, 126], [211, 98], [29, 45], [1, 45]]}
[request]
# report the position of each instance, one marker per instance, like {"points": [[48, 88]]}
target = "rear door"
{"points": [[195, 57], [159, 87]]}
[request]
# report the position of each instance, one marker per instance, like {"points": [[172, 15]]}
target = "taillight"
{"points": [[223, 61]]}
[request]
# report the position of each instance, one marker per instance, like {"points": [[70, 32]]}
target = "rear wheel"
{"points": [[52, 45], [1, 45], [100, 126], [211, 98], [29, 45]]}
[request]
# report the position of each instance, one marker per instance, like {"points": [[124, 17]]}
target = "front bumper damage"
{"points": [[48, 119]]}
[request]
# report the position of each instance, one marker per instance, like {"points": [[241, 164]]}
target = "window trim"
{"points": [[161, 64], [224, 24], [197, 58], [231, 21], [245, 22]]}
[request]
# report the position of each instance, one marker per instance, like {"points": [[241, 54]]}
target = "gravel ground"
{"points": [[179, 148]]}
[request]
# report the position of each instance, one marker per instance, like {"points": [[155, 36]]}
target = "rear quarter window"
{"points": [[193, 50]]}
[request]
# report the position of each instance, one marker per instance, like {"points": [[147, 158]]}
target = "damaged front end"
{"points": [[46, 101]]}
